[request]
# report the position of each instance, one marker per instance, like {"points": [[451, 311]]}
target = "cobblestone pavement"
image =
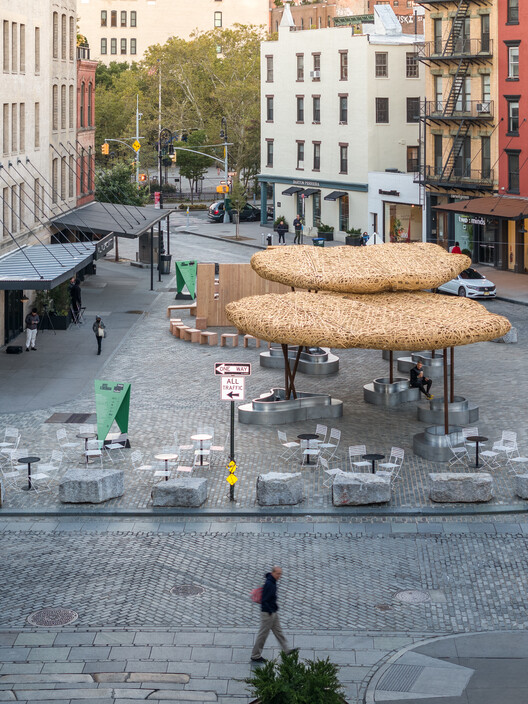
{"points": [[173, 389]]}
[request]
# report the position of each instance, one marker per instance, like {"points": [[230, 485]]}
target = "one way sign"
{"points": [[232, 388]]}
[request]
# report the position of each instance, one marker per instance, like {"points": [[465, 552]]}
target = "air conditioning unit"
{"points": [[315, 74], [483, 107]]}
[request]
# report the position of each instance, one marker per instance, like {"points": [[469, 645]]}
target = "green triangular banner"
{"points": [[112, 402], [186, 276]]}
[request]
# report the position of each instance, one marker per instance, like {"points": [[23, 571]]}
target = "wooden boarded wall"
{"points": [[236, 281]]}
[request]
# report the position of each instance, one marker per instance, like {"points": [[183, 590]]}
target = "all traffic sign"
{"points": [[232, 388], [232, 369]]}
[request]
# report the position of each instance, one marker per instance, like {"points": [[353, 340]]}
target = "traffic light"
{"points": [[105, 148], [142, 177]]}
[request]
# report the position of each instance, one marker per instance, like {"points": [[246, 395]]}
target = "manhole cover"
{"points": [[52, 617], [187, 590], [412, 596]]}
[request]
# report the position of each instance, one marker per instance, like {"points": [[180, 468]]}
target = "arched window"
{"points": [[81, 177], [81, 109], [90, 107], [90, 172], [55, 35]]}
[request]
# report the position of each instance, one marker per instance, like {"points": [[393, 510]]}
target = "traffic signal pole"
{"points": [[138, 117]]}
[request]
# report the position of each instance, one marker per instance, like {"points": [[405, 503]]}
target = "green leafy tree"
{"points": [[115, 185], [192, 165], [237, 199]]}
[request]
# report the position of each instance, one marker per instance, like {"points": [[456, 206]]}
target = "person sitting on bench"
{"points": [[419, 381]]}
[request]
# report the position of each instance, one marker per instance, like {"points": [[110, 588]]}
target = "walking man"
{"points": [[282, 229], [32, 321], [269, 618], [297, 226], [419, 381]]}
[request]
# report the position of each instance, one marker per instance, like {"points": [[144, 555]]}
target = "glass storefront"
{"points": [[316, 209], [344, 205], [402, 222], [14, 314]]}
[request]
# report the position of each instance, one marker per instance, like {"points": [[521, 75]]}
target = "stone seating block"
{"points": [[188, 492], [458, 487], [521, 485], [356, 489], [200, 323], [249, 338], [209, 338], [229, 339], [91, 486], [279, 489]]}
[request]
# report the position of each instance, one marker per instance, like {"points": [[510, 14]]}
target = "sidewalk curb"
{"points": [[511, 300]]}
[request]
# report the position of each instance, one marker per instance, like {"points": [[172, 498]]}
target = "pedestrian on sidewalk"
{"points": [[269, 618], [32, 321], [99, 329], [74, 289], [282, 229], [297, 226]]}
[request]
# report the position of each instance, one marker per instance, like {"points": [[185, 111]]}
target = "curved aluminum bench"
{"points": [[432, 444], [316, 361], [272, 408], [433, 367], [382, 393], [461, 412]]}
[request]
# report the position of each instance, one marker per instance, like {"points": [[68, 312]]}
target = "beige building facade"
{"points": [[122, 30]]}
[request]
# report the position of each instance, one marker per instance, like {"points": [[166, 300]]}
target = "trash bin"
{"points": [[318, 241], [165, 263]]}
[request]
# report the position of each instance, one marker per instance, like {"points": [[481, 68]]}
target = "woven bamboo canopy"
{"points": [[373, 269], [385, 321]]}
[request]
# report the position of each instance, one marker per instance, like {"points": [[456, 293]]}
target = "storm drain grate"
{"points": [[53, 616], [412, 596], [134, 312], [187, 590], [399, 678]]}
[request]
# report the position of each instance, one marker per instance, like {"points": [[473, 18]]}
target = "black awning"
{"points": [[335, 195], [42, 267], [111, 218], [290, 191], [310, 192]]}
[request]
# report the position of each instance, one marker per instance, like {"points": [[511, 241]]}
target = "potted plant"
{"points": [[277, 222], [56, 303], [354, 237], [468, 253], [326, 231], [289, 681]]}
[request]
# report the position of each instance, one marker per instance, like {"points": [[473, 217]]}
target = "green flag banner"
{"points": [[112, 402], [186, 276]]}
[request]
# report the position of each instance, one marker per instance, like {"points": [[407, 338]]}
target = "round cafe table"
{"points": [[86, 436], [477, 439], [201, 438], [308, 437], [373, 457], [29, 461], [166, 457]]}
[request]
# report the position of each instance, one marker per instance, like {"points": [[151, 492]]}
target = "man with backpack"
{"points": [[269, 618]]}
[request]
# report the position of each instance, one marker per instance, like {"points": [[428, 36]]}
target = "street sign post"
{"points": [[136, 146], [232, 369], [232, 388]]}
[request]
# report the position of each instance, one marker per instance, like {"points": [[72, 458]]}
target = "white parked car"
{"points": [[471, 284]]}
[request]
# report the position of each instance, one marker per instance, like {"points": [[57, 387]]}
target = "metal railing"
{"points": [[463, 47], [464, 177], [463, 109]]}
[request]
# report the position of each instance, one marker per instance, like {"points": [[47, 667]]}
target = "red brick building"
{"points": [[85, 146]]}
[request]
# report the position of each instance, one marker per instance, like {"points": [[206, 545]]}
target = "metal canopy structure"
{"points": [[42, 267], [335, 195], [129, 221], [291, 190], [310, 192]]}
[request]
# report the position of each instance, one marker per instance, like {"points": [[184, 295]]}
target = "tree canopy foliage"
{"points": [[115, 185]]}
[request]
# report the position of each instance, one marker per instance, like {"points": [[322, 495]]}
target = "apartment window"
{"points": [[133, 18], [63, 107], [343, 158], [485, 151], [14, 126], [123, 46], [438, 147], [462, 166], [269, 108], [343, 109], [90, 105], [513, 115], [413, 110], [316, 156], [37, 125], [71, 172], [81, 173], [412, 159], [21, 205], [89, 179], [513, 11], [5, 129], [14, 223], [217, 19], [439, 93], [113, 45], [133, 46], [382, 64], [344, 209], [411, 66], [300, 108], [14, 47], [63, 37], [269, 69], [513, 62], [5, 217], [6, 46], [22, 47], [437, 34], [22, 128], [63, 178], [486, 88], [104, 18], [103, 45], [81, 108], [123, 18], [316, 108], [513, 170], [316, 65], [113, 18], [72, 39], [300, 67], [269, 152], [485, 32], [37, 50], [343, 65], [54, 179], [55, 35], [36, 199], [70, 108], [55, 108], [382, 110], [300, 155]]}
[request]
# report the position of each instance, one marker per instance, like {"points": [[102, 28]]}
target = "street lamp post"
{"points": [[223, 134], [164, 147]]}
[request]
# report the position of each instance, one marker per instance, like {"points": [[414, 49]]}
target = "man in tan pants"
{"points": [[269, 618]]}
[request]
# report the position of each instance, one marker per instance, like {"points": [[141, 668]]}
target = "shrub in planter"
{"points": [[277, 223], [289, 681], [354, 237], [468, 253], [326, 231]]}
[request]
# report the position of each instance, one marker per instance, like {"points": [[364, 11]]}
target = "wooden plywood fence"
{"points": [[235, 281]]}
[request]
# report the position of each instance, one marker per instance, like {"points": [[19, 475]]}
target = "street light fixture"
{"points": [[164, 147]]}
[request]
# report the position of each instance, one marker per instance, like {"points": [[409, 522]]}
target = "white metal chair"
{"points": [[66, 446], [182, 449], [161, 471], [322, 431], [53, 467], [11, 438], [458, 454], [93, 451], [355, 451], [114, 451], [12, 476], [290, 447], [329, 448], [145, 471], [310, 453], [330, 472], [469, 433], [507, 444], [394, 465]]}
